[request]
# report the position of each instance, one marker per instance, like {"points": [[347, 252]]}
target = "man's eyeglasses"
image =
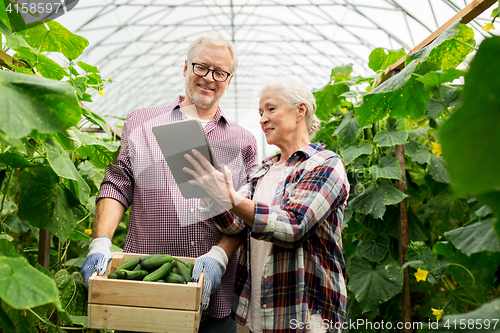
{"points": [[202, 70]]}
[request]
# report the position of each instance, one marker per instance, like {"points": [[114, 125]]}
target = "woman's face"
{"points": [[279, 121]]}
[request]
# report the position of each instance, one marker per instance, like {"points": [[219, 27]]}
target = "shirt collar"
{"points": [[306, 151], [219, 117]]}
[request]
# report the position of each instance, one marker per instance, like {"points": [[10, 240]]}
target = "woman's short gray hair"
{"points": [[296, 92], [216, 39]]}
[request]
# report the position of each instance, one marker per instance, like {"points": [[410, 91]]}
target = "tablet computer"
{"points": [[176, 140]]}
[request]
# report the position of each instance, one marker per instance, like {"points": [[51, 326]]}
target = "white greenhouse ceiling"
{"points": [[142, 44]]}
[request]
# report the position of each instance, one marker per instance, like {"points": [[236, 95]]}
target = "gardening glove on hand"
{"points": [[213, 264], [97, 259]]}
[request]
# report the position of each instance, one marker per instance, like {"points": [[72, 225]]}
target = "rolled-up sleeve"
{"points": [[318, 194]]}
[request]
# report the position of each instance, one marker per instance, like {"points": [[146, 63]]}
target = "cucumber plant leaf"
{"points": [[53, 207], [57, 39], [475, 238], [63, 166], [348, 129], [403, 95], [23, 287], [472, 134], [328, 99], [375, 251], [373, 284], [381, 58], [374, 199], [73, 293], [436, 78], [351, 152], [30, 102], [387, 168]]}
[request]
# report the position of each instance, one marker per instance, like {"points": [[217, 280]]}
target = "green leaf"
{"points": [[12, 20], [381, 58], [373, 284], [100, 153], [387, 168], [348, 129], [87, 68], [63, 166], [49, 68], [328, 99], [374, 199], [27, 54], [15, 161], [57, 39], [16, 224], [403, 95], [481, 265], [486, 314], [451, 97], [7, 249], [438, 169], [53, 207], [29, 102], [23, 287], [389, 139], [436, 78], [351, 152], [375, 251], [422, 155], [492, 199], [95, 119], [73, 293], [13, 41], [475, 238], [472, 134], [341, 73]]}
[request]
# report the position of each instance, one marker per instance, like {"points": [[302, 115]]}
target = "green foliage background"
{"points": [[50, 172], [452, 197]]}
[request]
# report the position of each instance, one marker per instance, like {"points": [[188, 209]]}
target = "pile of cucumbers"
{"points": [[154, 268]]}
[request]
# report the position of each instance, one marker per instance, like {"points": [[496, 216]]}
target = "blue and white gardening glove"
{"points": [[213, 263], [97, 259]]}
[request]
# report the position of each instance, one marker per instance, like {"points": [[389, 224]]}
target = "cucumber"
{"points": [[149, 256], [132, 275], [160, 273], [137, 268], [128, 265], [176, 270], [174, 278], [153, 263], [112, 276], [184, 270], [191, 267]]}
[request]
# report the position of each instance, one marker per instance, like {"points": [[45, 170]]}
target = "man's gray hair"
{"points": [[216, 39], [296, 92]]}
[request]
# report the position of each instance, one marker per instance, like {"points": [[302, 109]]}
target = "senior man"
{"points": [[162, 220]]}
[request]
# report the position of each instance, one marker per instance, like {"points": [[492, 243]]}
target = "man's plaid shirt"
{"points": [[161, 220], [305, 268]]}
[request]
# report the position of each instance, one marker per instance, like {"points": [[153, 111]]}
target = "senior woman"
{"points": [[291, 274]]}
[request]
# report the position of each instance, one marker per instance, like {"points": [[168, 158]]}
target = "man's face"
{"points": [[205, 92]]}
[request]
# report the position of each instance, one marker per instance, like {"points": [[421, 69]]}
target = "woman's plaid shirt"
{"points": [[305, 269]]}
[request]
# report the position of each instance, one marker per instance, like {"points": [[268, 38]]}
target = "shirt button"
{"points": [[192, 210], [192, 242], [265, 276], [264, 306]]}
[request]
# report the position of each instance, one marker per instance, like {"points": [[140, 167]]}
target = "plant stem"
{"points": [[5, 194]]}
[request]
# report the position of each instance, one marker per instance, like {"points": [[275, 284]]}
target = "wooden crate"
{"points": [[143, 306]]}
